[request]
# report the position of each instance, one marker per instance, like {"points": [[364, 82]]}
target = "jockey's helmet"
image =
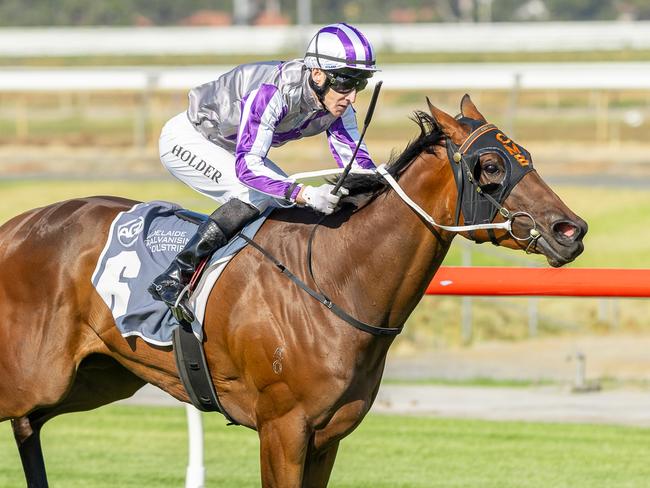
{"points": [[341, 47]]}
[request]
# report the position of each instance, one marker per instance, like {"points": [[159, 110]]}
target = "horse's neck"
{"points": [[382, 259]]}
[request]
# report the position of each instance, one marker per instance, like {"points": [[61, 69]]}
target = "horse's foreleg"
{"points": [[283, 447], [318, 466], [28, 440]]}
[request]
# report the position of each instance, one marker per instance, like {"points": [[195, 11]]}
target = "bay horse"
{"points": [[282, 363]]}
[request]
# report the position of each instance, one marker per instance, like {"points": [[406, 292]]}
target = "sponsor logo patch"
{"points": [[167, 240], [512, 149], [127, 233]]}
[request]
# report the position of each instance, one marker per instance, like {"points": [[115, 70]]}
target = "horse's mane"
{"points": [[371, 185]]}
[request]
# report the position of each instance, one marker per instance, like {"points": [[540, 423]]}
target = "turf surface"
{"points": [[129, 446]]}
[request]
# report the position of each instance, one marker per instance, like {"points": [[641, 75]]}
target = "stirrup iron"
{"points": [[181, 310]]}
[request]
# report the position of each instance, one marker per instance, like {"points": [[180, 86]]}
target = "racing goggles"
{"points": [[343, 83]]}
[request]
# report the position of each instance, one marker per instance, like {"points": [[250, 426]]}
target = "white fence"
{"points": [[395, 76], [401, 38]]}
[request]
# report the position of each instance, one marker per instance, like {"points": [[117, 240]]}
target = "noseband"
{"points": [[478, 203]]}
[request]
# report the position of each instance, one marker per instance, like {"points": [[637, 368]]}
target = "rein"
{"points": [[473, 201], [464, 175], [321, 297], [507, 225]]}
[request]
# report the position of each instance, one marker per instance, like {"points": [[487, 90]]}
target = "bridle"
{"points": [[477, 205], [482, 139]]}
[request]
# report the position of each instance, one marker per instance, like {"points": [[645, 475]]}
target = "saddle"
{"points": [[141, 243]]}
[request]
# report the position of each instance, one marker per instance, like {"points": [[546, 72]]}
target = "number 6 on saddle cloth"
{"points": [[141, 244]]}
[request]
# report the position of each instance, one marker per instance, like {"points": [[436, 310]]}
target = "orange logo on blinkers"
{"points": [[512, 149]]}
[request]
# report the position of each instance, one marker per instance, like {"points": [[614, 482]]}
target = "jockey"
{"points": [[219, 145]]}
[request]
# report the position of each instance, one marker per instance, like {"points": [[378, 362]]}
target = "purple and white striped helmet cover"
{"points": [[340, 46]]}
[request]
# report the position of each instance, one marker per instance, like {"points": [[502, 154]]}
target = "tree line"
{"points": [[213, 12]]}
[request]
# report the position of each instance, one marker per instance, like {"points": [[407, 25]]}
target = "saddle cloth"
{"points": [[140, 245]]}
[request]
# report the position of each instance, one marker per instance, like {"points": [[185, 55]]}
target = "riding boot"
{"points": [[212, 234]]}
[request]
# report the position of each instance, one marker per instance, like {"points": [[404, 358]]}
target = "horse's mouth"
{"points": [[563, 242]]}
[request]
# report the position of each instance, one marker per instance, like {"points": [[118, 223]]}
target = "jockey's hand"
{"points": [[320, 198]]}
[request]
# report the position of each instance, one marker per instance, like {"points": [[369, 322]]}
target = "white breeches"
{"points": [[206, 167]]}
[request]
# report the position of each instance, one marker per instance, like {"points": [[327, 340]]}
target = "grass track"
{"points": [[129, 446]]}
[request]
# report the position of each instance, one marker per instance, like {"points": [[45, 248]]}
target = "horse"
{"points": [[281, 362]]}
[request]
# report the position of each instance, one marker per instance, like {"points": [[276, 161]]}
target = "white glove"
{"points": [[320, 197]]}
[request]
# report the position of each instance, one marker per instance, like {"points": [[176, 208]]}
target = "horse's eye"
{"points": [[491, 169]]}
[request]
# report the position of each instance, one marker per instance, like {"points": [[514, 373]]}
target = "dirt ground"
{"points": [[624, 358]]}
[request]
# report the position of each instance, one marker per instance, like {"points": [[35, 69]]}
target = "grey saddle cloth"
{"points": [[141, 243]]}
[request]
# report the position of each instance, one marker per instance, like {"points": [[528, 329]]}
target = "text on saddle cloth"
{"points": [[141, 243]]}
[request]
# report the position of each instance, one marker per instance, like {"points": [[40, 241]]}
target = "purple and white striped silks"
{"points": [[342, 136], [261, 111]]}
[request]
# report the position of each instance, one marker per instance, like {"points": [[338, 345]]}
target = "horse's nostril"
{"points": [[567, 230]]}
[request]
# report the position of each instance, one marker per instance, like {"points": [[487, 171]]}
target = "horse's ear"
{"points": [[468, 109], [449, 125]]}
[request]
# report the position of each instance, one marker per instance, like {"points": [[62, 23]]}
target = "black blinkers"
{"points": [[473, 199]]}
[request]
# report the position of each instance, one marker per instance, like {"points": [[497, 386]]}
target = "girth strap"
{"points": [[339, 312], [194, 373]]}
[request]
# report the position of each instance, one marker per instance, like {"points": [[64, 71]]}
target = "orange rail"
{"points": [[580, 282]]}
